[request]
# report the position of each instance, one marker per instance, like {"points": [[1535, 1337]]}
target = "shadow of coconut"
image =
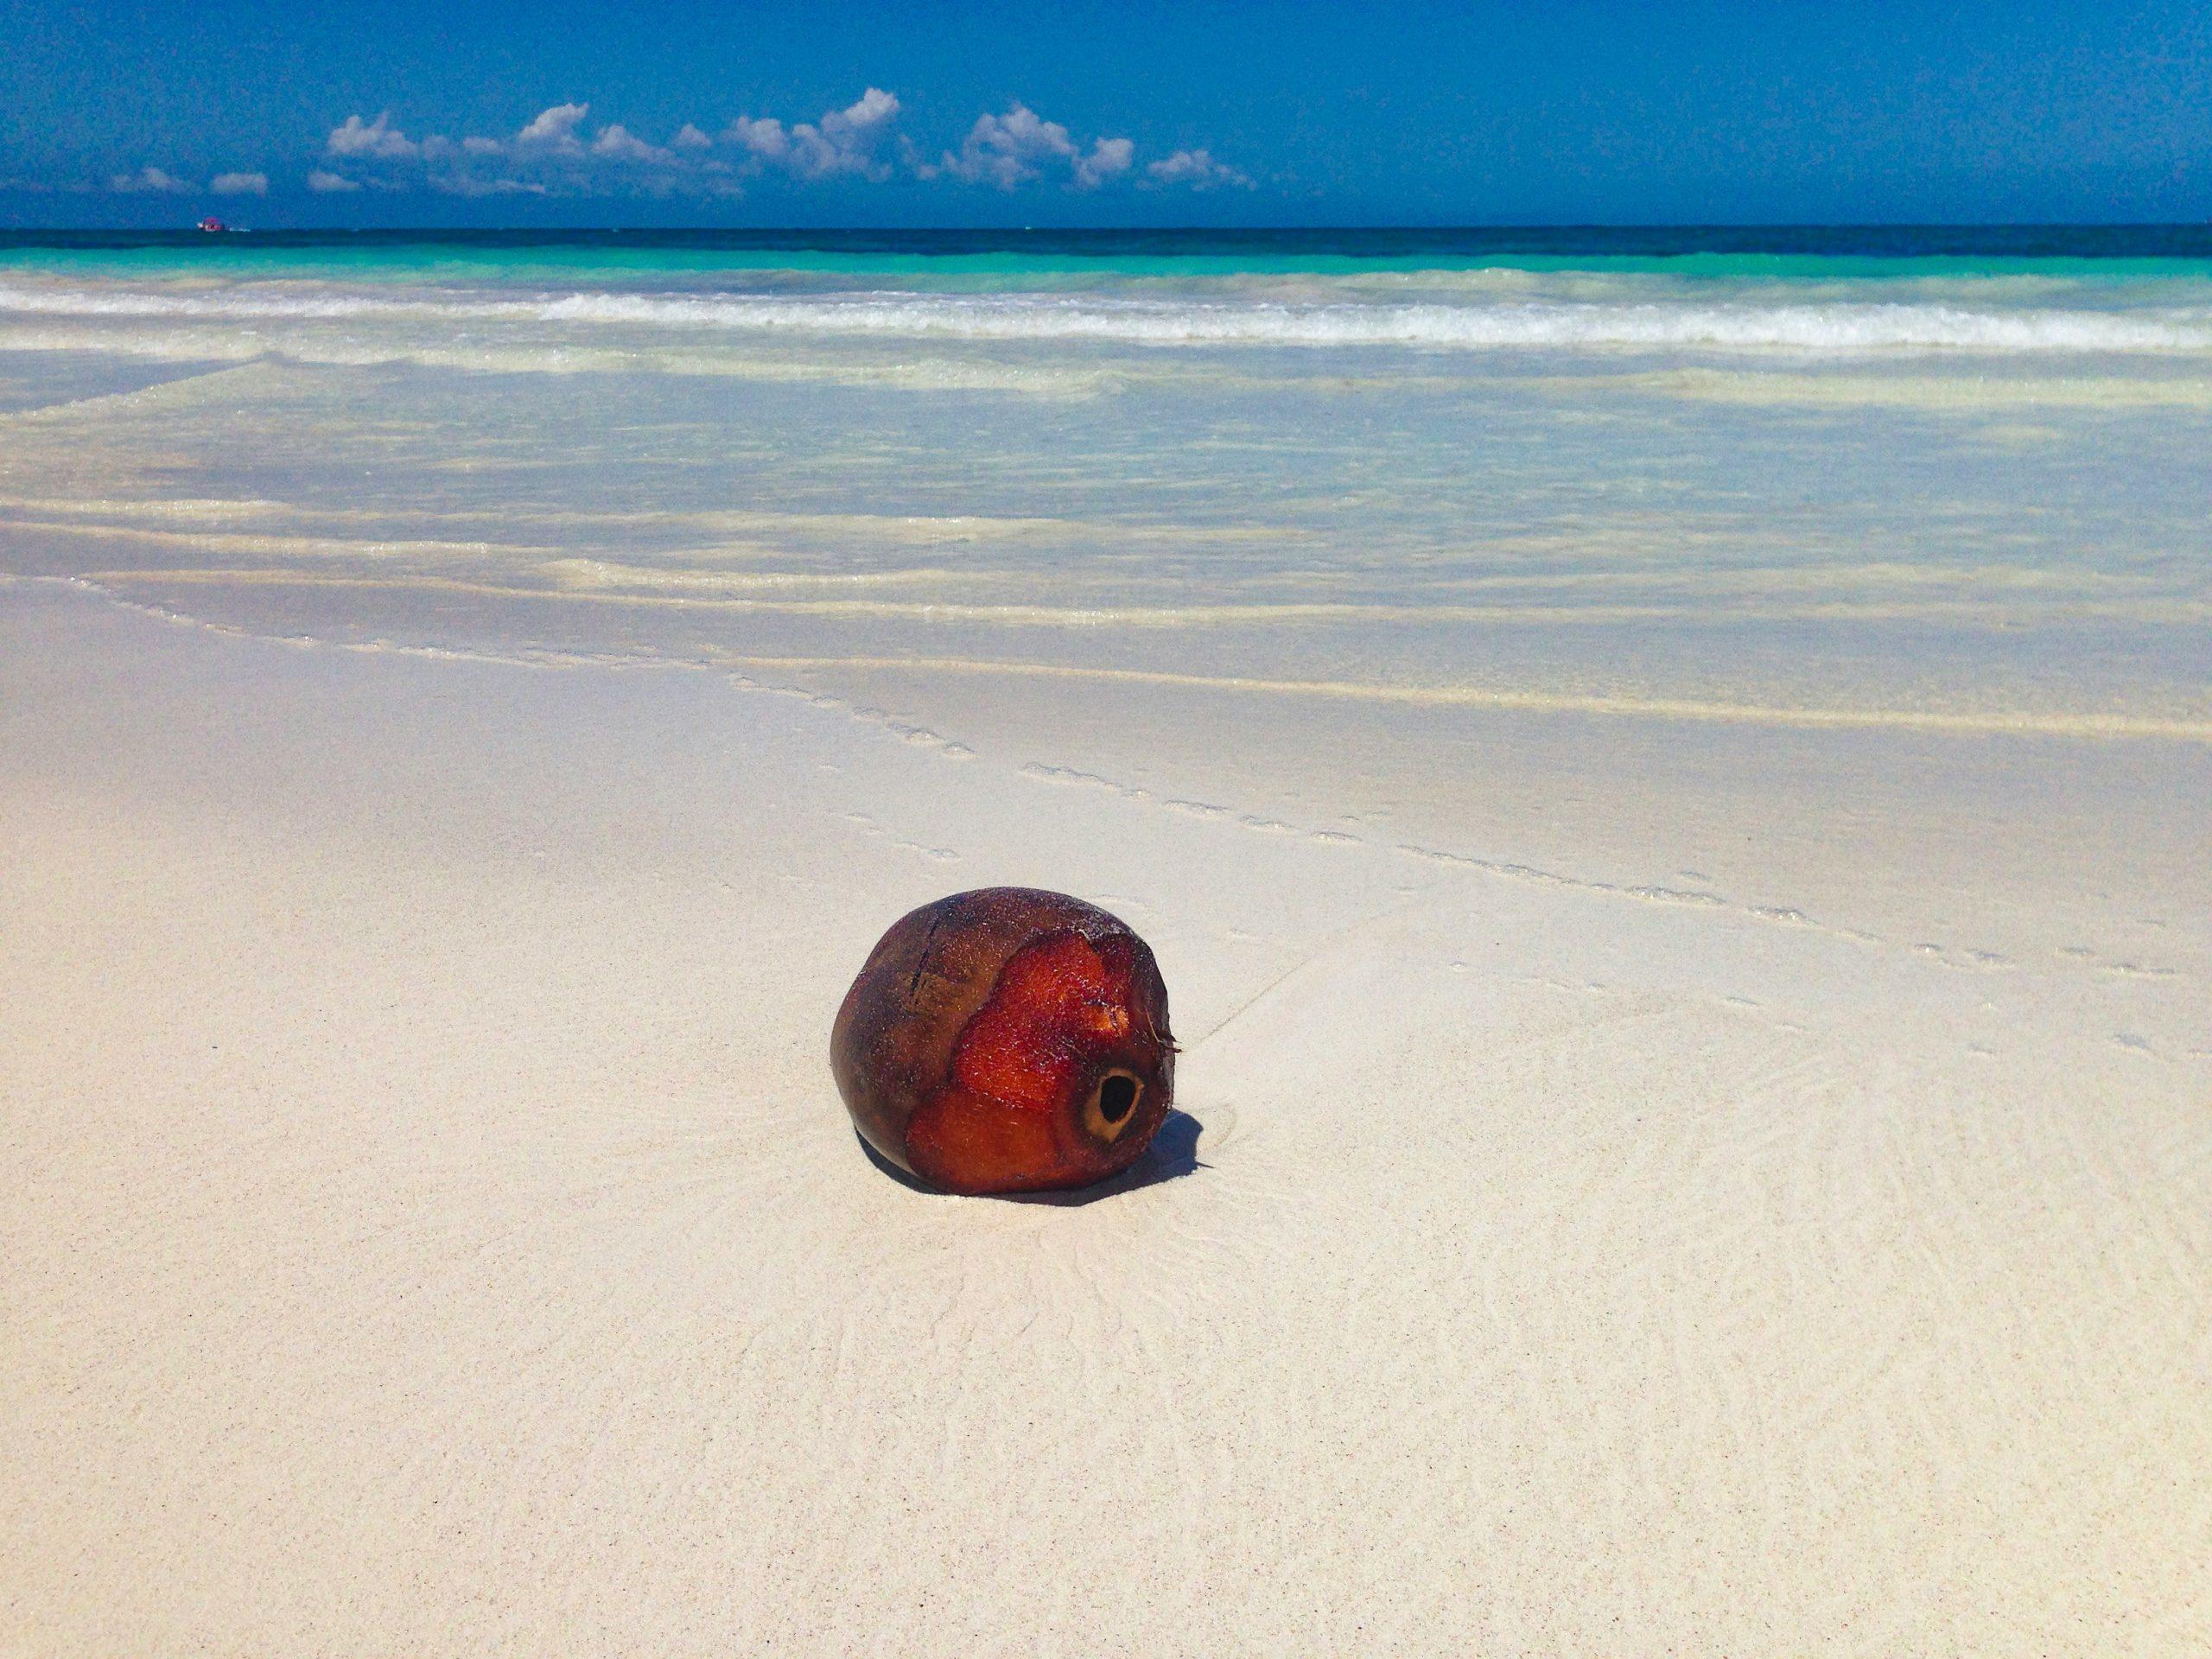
{"points": [[1173, 1153]]}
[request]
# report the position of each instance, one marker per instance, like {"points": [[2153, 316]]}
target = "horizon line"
{"points": [[1433, 227]]}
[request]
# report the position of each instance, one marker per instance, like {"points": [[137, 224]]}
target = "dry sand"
{"points": [[429, 1228]]}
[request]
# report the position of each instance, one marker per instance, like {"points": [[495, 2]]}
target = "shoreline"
{"points": [[441, 1233], [1867, 832]]}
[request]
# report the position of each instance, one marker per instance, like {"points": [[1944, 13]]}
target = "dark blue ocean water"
{"points": [[1781, 251]]}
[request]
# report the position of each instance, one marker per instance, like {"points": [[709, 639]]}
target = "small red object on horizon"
{"points": [[212, 225]]}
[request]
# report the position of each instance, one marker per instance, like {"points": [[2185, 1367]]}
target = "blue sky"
{"points": [[406, 113]]}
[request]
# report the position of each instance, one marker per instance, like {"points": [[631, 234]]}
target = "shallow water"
{"points": [[1955, 487]]}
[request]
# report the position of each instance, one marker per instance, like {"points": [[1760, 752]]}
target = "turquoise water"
{"points": [[1953, 477], [1014, 259]]}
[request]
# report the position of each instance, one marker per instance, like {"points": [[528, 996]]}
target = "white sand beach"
{"points": [[1682, 875], [432, 1229]]}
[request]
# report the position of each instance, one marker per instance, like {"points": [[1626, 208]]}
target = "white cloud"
{"points": [[1199, 169], [847, 142], [764, 139], [378, 139], [240, 184], [1005, 149], [555, 129], [1013, 149], [617, 143], [1109, 158], [148, 180], [547, 155], [844, 141], [552, 154], [467, 184], [330, 184]]}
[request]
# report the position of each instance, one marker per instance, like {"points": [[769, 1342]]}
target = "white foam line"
{"points": [[1661, 322], [2007, 612], [1961, 722]]}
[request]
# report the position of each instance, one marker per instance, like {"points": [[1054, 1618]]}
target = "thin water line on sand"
{"points": [[1460, 864], [1998, 725], [2172, 612], [1959, 722]]}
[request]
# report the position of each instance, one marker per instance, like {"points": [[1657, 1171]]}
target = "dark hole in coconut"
{"points": [[1116, 1097]]}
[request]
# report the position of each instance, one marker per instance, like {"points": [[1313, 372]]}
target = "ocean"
{"points": [[1942, 479], [1665, 774]]}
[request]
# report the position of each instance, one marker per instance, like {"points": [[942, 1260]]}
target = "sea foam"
{"points": [[1670, 316]]}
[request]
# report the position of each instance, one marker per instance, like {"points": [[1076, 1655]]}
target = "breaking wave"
{"points": [[1672, 318]]}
